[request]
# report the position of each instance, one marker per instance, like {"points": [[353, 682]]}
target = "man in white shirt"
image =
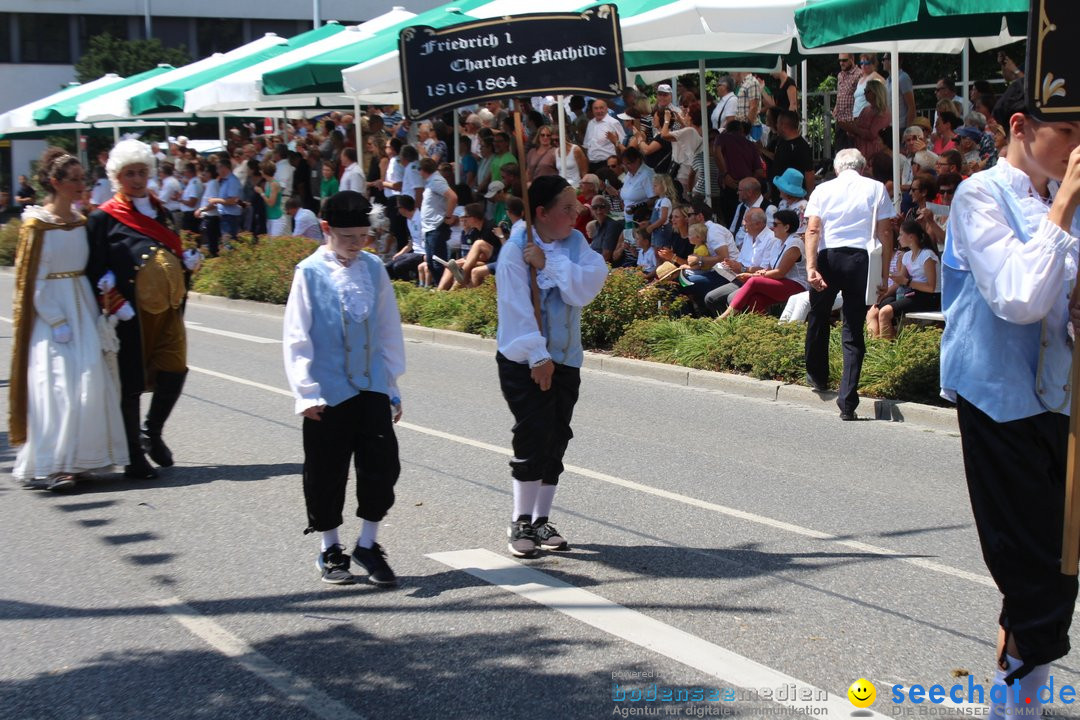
{"points": [[760, 251], [726, 103], [749, 197], [305, 223], [637, 184], [840, 230], [189, 199], [602, 134], [412, 182], [171, 190], [351, 178], [436, 216], [284, 170]]}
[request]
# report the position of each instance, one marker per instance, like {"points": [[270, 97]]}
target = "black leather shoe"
{"points": [[139, 469], [158, 451], [816, 386], [847, 415]]}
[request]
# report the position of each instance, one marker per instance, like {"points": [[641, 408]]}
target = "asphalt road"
{"points": [[721, 545]]}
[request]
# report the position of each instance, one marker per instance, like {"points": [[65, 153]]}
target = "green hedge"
{"points": [[9, 241], [902, 369], [253, 269], [633, 319]]}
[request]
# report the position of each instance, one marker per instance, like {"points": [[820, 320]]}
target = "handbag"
{"points": [[874, 251]]}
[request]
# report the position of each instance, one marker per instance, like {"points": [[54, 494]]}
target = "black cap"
{"points": [[1013, 100], [544, 189], [347, 209]]}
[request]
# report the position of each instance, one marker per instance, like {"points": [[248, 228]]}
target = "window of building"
{"points": [[93, 25], [5, 37], [44, 38], [218, 35], [172, 31]]}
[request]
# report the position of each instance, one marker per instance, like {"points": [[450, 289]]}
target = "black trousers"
{"points": [[541, 419], [399, 227], [844, 270], [359, 430], [1016, 480]]}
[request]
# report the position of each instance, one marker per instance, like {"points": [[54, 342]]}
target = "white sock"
{"points": [[1029, 689], [329, 539], [367, 534], [997, 709], [524, 498], [544, 498]]}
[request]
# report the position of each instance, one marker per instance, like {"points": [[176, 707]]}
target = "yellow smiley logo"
{"points": [[862, 693]]}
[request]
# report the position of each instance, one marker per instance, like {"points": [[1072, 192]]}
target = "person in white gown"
{"points": [[65, 400]]}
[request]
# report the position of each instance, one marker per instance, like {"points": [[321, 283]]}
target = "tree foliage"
{"points": [[109, 54]]}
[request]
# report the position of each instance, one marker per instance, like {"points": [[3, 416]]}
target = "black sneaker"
{"points": [[523, 540], [333, 563], [374, 561], [548, 538]]}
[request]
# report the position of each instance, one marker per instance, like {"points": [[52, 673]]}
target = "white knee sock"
{"points": [[998, 696], [1029, 689], [367, 534], [544, 498], [329, 539], [525, 498]]}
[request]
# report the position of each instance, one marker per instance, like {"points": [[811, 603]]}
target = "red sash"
{"points": [[122, 209]]}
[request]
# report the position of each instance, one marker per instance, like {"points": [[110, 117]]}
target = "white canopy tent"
{"points": [[116, 106], [242, 90], [21, 119]]}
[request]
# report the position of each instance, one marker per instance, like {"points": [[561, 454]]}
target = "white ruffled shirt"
{"points": [[519, 340], [359, 296]]}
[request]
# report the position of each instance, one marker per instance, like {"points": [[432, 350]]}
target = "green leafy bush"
{"points": [[255, 269], [9, 241], [624, 299], [472, 311]]}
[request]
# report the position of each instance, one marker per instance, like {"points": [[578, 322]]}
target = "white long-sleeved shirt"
{"points": [[307, 224], [1021, 282], [300, 352], [519, 339]]}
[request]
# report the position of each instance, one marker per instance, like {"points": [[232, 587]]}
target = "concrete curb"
{"points": [[926, 416], [258, 308]]}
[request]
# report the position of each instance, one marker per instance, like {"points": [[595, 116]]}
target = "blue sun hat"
{"points": [[790, 183]]}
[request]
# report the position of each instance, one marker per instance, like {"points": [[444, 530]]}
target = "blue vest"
{"points": [[345, 360], [1008, 371], [561, 322]]}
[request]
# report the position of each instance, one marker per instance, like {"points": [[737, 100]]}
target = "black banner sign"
{"points": [[1053, 84], [512, 56]]}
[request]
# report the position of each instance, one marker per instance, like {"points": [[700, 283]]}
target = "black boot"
{"points": [[167, 389], [139, 469]]}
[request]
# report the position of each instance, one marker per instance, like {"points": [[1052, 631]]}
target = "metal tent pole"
{"points": [[894, 58], [704, 133]]}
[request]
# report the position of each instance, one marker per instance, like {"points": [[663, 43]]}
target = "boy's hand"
{"points": [[314, 413], [541, 375], [534, 256]]}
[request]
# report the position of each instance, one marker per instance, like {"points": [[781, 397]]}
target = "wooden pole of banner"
{"points": [[1070, 538], [519, 138]]}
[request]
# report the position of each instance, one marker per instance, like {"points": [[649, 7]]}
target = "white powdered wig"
{"points": [[129, 152]]}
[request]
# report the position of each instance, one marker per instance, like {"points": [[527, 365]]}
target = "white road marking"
{"points": [[639, 629], [923, 563], [295, 688], [192, 325]]}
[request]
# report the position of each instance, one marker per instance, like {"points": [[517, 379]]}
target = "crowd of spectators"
{"points": [[637, 162]]}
